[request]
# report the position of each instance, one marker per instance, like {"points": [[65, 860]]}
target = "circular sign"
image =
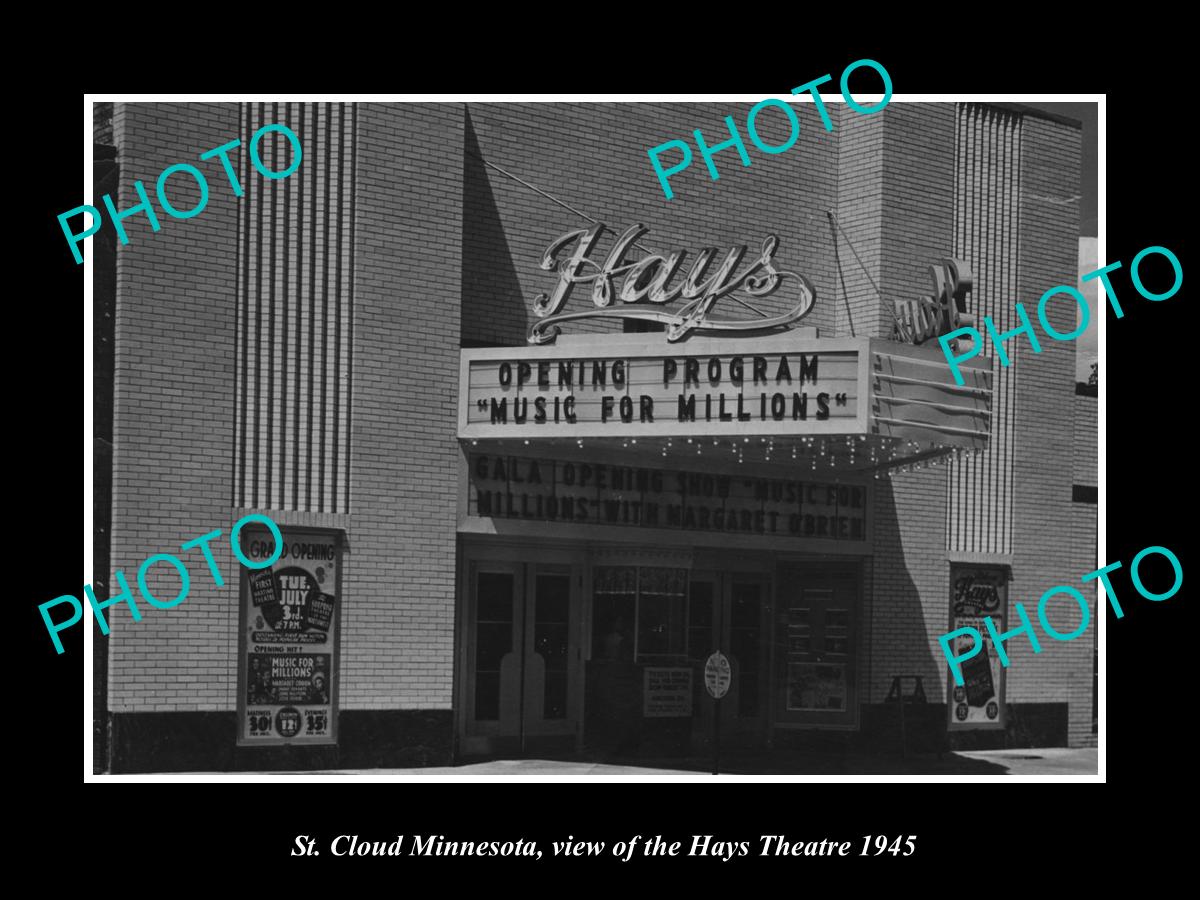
{"points": [[287, 722], [961, 712], [717, 675], [992, 710]]}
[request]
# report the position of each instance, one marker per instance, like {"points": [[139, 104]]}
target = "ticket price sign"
{"points": [[289, 615], [717, 676]]}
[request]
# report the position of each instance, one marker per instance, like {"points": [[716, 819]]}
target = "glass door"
{"points": [[728, 611], [550, 654], [494, 637], [521, 659], [746, 615]]}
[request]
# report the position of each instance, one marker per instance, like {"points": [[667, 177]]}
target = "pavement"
{"points": [[1022, 762], [1050, 761]]}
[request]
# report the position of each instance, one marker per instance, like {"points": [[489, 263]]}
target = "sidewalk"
{"points": [[1046, 761]]}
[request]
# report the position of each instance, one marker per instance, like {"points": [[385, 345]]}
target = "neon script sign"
{"points": [[931, 317], [646, 282]]}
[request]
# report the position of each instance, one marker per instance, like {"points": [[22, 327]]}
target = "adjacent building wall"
{"points": [[1045, 436]]}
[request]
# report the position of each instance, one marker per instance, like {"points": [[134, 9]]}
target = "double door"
{"points": [[730, 612], [521, 690]]}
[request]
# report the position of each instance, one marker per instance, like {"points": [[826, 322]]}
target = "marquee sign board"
{"points": [[566, 493], [626, 387]]}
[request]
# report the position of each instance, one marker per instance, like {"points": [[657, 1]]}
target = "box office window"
{"points": [[639, 613]]}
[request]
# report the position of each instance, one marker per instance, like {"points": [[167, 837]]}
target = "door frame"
{"points": [[749, 729], [569, 725], [852, 569]]}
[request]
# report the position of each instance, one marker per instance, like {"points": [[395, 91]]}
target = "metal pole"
{"points": [[717, 736]]}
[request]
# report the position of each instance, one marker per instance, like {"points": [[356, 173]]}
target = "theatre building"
{"points": [[553, 459]]}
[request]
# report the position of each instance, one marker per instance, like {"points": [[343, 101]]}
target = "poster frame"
{"points": [[287, 531], [674, 712], [957, 569]]}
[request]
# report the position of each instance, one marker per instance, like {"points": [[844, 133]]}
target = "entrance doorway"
{"points": [[729, 611], [580, 649], [653, 628], [521, 670]]}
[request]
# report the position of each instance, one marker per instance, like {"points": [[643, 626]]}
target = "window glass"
{"points": [[614, 606], [642, 610], [745, 642], [700, 620], [493, 639], [816, 687], [662, 613], [550, 640]]}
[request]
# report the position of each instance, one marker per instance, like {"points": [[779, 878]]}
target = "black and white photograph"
{"points": [[628, 438]]}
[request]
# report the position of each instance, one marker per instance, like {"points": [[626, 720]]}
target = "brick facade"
{"points": [[397, 640], [1083, 547], [914, 212], [1046, 404]]}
